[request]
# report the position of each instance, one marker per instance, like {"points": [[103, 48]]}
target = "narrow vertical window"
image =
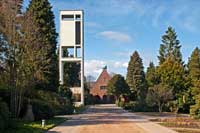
{"points": [[78, 32]]}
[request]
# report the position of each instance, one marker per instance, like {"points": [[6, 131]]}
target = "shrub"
{"points": [[80, 109], [120, 103], [48, 96], [4, 115], [132, 105], [64, 109], [89, 99], [42, 109], [46, 104], [97, 99]]}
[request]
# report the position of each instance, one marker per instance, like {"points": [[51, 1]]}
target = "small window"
{"points": [[102, 87], [78, 33], [78, 17], [67, 17]]}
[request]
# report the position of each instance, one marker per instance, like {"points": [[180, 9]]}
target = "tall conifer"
{"points": [[194, 75], [170, 46], [136, 78], [44, 18], [151, 75], [194, 65]]}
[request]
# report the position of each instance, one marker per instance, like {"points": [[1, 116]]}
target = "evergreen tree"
{"points": [[171, 73], [194, 65], [44, 18], [194, 109], [194, 75], [136, 78], [117, 86], [170, 46], [152, 77]]}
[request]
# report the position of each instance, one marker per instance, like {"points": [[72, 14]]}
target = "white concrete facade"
{"points": [[72, 37]]}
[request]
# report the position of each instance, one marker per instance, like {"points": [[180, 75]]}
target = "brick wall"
{"points": [[101, 81]]}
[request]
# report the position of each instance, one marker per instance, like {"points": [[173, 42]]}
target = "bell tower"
{"points": [[71, 49]]}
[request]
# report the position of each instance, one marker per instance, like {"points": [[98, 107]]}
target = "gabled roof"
{"points": [[104, 73]]}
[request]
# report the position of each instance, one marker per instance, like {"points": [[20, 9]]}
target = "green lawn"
{"points": [[34, 127]]}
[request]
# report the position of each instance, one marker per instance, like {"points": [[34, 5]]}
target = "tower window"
{"points": [[78, 17], [78, 32], [67, 17]]}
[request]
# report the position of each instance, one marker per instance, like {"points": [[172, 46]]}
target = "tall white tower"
{"points": [[72, 40]]}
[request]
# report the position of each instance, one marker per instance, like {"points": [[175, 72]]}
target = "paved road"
{"points": [[108, 119]]}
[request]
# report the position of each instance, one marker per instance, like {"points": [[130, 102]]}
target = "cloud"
{"points": [[120, 64], [116, 36], [94, 67]]}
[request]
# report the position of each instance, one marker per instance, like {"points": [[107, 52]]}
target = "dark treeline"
{"points": [[172, 86]]}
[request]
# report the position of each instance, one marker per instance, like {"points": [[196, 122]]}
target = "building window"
{"points": [[78, 17], [67, 17], [102, 87], [78, 33]]}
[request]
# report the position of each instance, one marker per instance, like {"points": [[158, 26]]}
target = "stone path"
{"points": [[108, 118]]}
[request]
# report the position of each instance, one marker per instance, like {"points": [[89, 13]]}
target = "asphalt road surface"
{"points": [[108, 118]]}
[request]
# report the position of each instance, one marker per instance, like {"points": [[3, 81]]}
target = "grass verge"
{"points": [[34, 127], [181, 125]]}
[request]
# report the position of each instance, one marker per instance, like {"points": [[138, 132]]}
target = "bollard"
{"points": [[43, 123]]}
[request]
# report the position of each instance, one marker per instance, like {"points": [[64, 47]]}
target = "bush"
{"points": [[4, 115], [89, 99], [50, 104], [120, 103], [42, 109], [48, 96], [64, 110], [46, 104], [97, 99], [132, 105]]}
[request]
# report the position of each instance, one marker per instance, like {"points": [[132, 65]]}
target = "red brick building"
{"points": [[99, 88]]}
